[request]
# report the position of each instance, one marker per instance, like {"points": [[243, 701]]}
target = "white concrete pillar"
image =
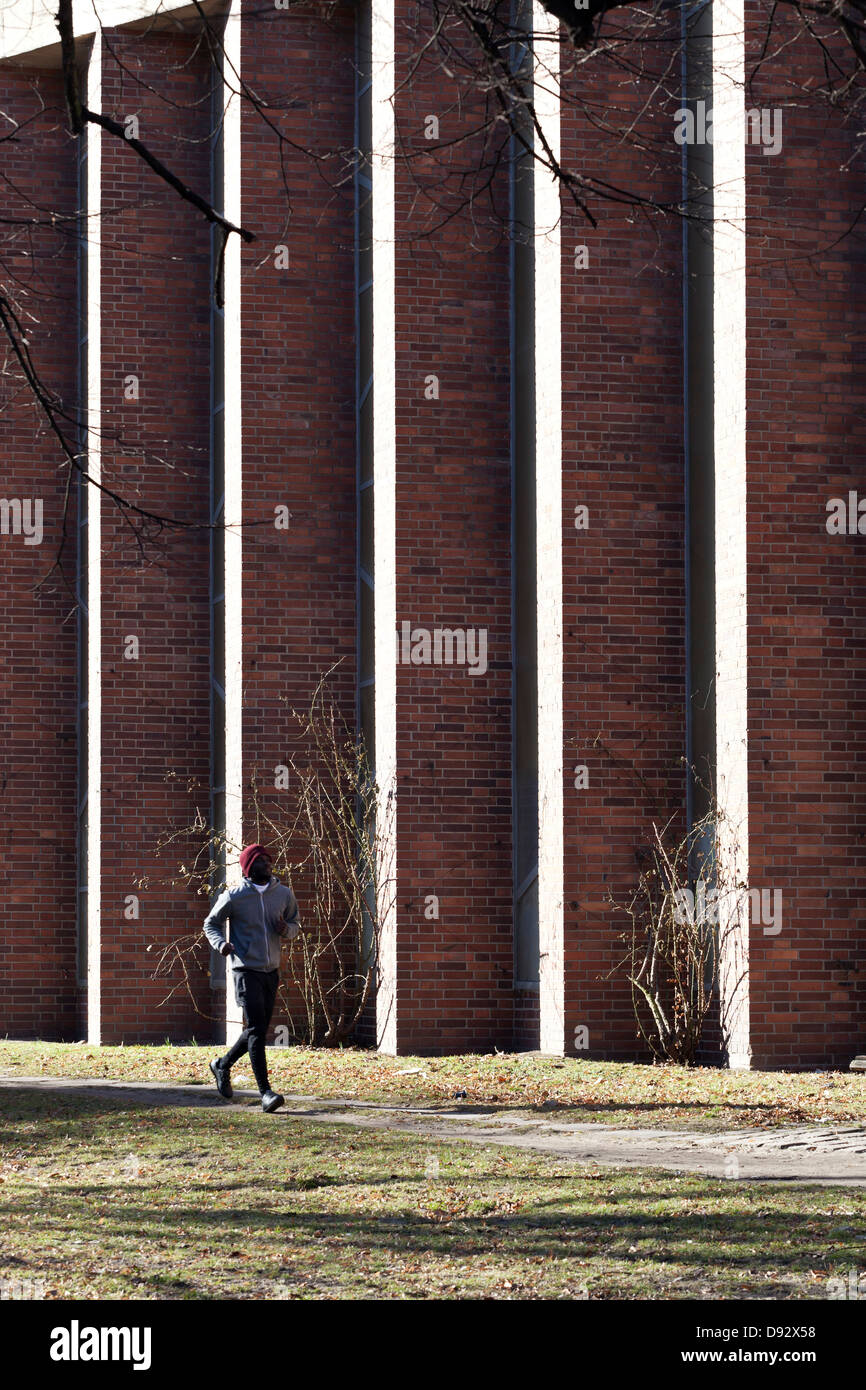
{"points": [[385, 485], [729, 394], [548, 464]]}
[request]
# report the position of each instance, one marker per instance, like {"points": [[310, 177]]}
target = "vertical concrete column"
{"points": [[231, 63], [92, 313], [549, 524], [383, 176], [729, 372]]}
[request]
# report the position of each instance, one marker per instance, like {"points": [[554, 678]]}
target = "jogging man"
{"points": [[260, 914]]}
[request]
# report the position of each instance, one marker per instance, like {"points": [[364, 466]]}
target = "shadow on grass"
{"points": [[738, 1242], [197, 1093], [225, 1238]]}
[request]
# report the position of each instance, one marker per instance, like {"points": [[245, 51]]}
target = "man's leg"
{"points": [[273, 979], [259, 1005], [237, 1050], [239, 1046]]}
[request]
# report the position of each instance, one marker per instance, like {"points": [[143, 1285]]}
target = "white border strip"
{"points": [[385, 499], [93, 311], [729, 390], [548, 465], [233, 606]]}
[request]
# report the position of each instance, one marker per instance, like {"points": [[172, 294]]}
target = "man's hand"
{"points": [[227, 949]]}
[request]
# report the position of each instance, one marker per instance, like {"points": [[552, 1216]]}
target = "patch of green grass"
{"points": [[617, 1093], [102, 1200]]}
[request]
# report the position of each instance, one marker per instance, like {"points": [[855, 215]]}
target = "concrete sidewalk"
{"points": [[832, 1156]]}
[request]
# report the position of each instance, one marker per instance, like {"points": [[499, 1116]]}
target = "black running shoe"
{"points": [[271, 1101], [221, 1077]]}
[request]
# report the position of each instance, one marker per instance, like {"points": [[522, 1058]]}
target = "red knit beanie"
{"points": [[249, 857]]}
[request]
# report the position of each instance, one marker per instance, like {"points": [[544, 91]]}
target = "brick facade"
{"points": [[155, 271], [37, 631], [804, 412], [454, 312], [624, 660]]}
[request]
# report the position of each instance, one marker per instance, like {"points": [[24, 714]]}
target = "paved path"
{"points": [[827, 1156]]}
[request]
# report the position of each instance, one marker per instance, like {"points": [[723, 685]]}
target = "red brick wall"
{"points": [[806, 299], [155, 451], [299, 586], [454, 975], [38, 695], [623, 577]]}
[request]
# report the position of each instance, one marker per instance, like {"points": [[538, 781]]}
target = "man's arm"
{"points": [[290, 917], [213, 923]]}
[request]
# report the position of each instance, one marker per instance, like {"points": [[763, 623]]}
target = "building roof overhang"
{"points": [[28, 28]]}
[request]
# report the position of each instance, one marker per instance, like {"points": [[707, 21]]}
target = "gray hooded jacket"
{"points": [[258, 923]]}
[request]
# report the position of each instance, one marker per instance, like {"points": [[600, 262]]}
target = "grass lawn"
{"points": [[610, 1092], [102, 1200]]}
